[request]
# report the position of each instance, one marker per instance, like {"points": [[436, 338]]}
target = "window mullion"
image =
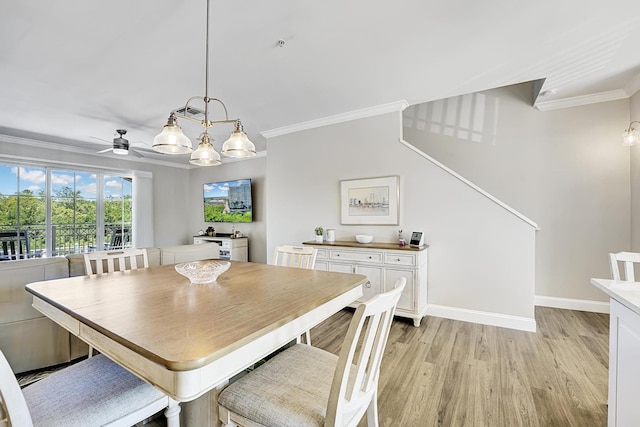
{"points": [[48, 221], [100, 211]]}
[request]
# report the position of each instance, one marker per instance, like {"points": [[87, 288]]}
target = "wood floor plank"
{"points": [[452, 373]]}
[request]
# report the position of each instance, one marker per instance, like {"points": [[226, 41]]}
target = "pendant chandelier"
{"points": [[173, 141]]}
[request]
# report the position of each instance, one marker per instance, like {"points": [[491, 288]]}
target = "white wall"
{"points": [[481, 257], [565, 169], [253, 168]]}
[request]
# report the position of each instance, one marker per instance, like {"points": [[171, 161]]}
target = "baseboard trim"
{"points": [[483, 317], [572, 304]]}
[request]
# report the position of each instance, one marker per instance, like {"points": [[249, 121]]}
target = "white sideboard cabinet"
{"points": [[236, 249], [383, 264]]}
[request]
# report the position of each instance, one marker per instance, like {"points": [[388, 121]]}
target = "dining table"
{"points": [[188, 339]]}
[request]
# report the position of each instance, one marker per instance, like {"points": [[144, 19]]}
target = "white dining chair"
{"points": [[118, 260], [94, 392], [628, 259], [307, 386], [295, 256], [298, 257]]}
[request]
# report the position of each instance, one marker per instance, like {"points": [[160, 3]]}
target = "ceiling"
{"points": [[71, 72]]}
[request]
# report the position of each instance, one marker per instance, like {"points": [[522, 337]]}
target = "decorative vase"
{"points": [[319, 238], [331, 235]]}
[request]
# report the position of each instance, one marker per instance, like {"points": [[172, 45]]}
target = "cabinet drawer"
{"points": [[322, 254], [400, 259], [357, 256]]}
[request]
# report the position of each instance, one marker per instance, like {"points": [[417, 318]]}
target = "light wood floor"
{"points": [[451, 373]]}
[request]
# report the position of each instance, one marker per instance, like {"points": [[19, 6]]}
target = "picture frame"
{"points": [[370, 201]]}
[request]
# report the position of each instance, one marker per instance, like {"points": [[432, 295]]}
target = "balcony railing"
{"points": [[67, 239]]}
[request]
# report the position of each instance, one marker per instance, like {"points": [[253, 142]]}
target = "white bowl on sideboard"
{"points": [[364, 238]]}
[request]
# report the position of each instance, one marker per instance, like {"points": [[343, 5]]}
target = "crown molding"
{"points": [[85, 151], [391, 107], [576, 101], [633, 86]]}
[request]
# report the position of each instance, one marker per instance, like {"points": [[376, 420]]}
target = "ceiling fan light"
{"points": [[238, 145], [630, 137], [172, 140], [205, 154], [121, 151]]}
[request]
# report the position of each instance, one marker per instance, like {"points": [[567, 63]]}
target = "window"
{"points": [[117, 211], [53, 211]]}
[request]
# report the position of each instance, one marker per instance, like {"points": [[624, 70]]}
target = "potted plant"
{"points": [[319, 233]]}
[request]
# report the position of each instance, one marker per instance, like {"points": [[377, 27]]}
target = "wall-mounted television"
{"points": [[228, 201]]}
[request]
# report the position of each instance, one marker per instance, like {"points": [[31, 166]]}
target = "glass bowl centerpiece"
{"points": [[202, 272]]}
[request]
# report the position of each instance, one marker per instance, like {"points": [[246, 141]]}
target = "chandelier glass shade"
{"points": [[205, 154], [238, 145], [173, 141]]}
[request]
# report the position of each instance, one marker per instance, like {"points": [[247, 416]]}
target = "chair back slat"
{"points": [[628, 259], [13, 407], [362, 350], [121, 260], [295, 256]]}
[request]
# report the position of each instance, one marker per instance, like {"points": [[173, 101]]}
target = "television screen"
{"points": [[228, 201]]}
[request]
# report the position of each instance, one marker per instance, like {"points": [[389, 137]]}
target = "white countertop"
{"points": [[626, 293]]}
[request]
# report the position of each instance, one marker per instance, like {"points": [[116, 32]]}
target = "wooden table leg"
{"points": [[202, 411]]}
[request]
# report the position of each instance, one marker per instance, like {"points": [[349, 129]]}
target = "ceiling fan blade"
{"points": [[105, 150], [135, 153], [100, 139]]}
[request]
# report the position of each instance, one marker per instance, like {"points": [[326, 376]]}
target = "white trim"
{"points": [[79, 150], [10, 139], [80, 167], [576, 101], [572, 304], [633, 86], [338, 118], [470, 184], [226, 160], [483, 317]]}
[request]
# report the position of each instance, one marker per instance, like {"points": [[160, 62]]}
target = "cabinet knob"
{"points": [[398, 259], [367, 284], [370, 257]]}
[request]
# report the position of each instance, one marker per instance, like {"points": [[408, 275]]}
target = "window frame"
{"points": [[100, 174]]}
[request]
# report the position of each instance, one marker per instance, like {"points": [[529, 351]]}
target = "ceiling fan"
{"points": [[120, 144]]}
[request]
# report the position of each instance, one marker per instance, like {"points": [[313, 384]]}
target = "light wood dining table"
{"points": [[188, 340]]}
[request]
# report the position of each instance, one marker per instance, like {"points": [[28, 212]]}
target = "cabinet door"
{"points": [[407, 299], [321, 266], [374, 284], [624, 375], [341, 268]]}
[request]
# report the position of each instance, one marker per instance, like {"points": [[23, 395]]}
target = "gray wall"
{"points": [[256, 170], [565, 169], [481, 257], [635, 176]]}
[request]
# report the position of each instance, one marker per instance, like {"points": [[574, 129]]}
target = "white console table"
{"points": [[383, 264], [236, 249]]}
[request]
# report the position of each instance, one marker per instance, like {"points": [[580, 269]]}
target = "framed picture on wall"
{"points": [[370, 201]]}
